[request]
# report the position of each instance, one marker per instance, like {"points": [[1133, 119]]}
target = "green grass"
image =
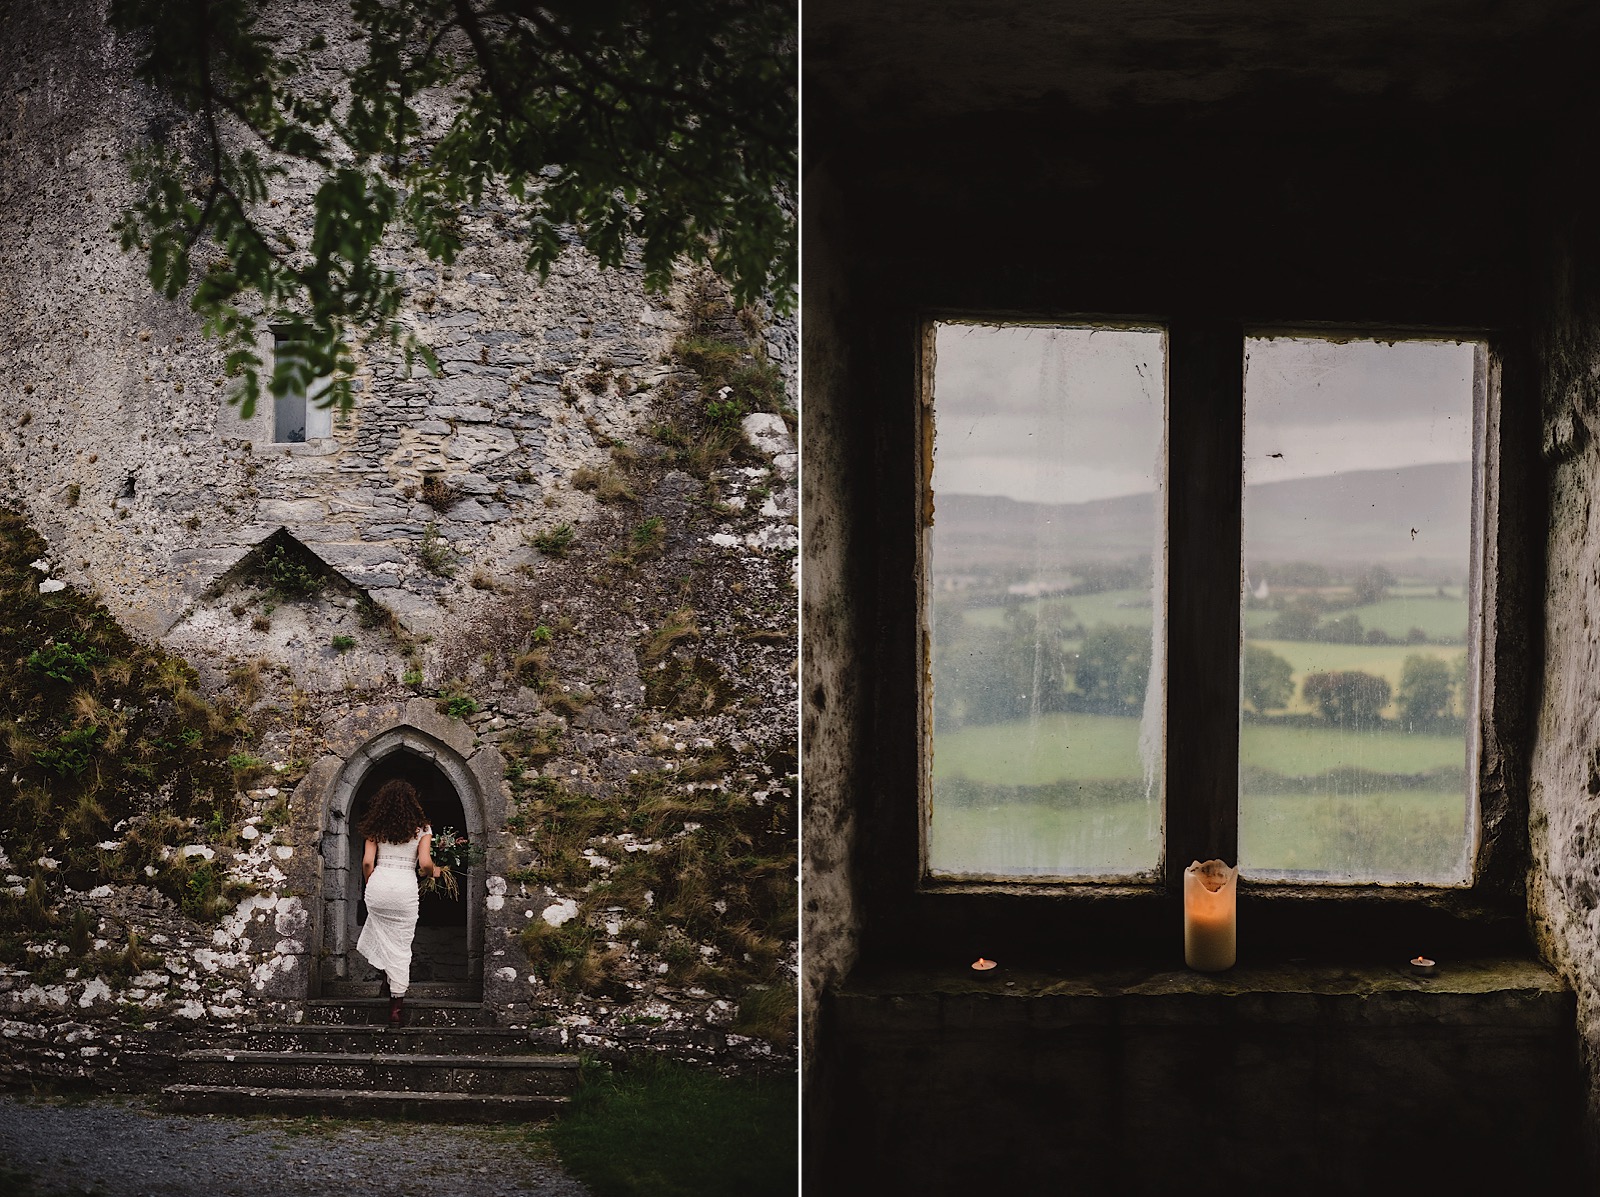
{"points": [[1088, 609], [1415, 835], [93, 722], [1019, 839], [1063, 747], [18, 1182], [1443, 619], [657, 1128], [1018, 799], [1306, 752], [1411, 834], [1058, 747]]}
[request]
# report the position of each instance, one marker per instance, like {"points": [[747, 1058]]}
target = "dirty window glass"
{"points": [[1359, 616], [296, 416], [1044, 577]]}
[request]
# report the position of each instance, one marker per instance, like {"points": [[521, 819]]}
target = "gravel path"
{"points": [[122, 1147]]}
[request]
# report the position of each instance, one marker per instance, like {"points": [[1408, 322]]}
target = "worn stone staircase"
{"points": [[448, 1063]]}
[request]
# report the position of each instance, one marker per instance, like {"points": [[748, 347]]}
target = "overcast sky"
{"points": [[1066, 415]]}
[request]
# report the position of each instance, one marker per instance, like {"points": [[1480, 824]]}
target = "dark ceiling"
{"points": [[880, 64]]}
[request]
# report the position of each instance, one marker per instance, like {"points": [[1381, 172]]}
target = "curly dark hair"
{"points": [[394, 813]]}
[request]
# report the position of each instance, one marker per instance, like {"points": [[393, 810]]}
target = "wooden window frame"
{"points": [[1205, 380]]}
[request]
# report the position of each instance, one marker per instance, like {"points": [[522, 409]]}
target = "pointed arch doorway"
{"points": [[447, 954]]}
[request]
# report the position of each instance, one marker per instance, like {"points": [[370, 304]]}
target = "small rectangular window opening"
{"points": [[296, 415], [1045, 567], [1360, 611]]}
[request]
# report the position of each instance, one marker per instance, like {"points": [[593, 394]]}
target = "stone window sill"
{"points": [[1492, 990]]}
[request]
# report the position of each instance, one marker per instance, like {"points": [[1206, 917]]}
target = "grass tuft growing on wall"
{"points": [[103, 739]]}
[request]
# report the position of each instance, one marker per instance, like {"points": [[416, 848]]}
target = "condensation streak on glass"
{"points": [[1359, 609], [1044, 615]]}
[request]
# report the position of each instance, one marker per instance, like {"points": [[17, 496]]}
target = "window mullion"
{"points": [[1205, 385]]}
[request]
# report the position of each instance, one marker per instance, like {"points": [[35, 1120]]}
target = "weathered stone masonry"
{"points": [[118, 444]]}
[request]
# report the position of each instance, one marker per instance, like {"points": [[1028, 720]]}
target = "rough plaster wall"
{"points": [[90, 359], [831, 645], [1564, 798]]}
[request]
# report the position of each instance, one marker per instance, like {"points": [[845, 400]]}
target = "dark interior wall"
{"points": [[1418, 224], [1564, 794], [836, 650], [1011, 215]]}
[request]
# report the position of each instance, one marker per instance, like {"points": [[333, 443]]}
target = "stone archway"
{"points": [[450, 785], [440, 949]]}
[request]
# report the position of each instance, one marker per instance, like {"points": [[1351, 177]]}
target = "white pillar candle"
{"points": [[1210, 916]]}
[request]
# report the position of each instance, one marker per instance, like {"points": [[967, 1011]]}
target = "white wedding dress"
{"points": [[392, 912]]}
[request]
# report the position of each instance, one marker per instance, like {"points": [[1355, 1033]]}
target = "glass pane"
{"points": [[1044, 569], [319, 419], [1359, 609], [296, 416], [289, 418]]}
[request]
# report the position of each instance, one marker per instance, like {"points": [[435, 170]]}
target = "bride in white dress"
{"points": [[398, 845]]}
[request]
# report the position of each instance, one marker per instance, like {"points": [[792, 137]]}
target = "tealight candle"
{"points": [[1210, 916], [982, 967], [1423, 967]]}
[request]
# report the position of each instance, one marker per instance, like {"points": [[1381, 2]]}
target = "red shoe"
{"points": [[396, 1011]]}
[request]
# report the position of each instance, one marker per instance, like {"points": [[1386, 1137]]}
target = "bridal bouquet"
{"points": [[454, 851]]}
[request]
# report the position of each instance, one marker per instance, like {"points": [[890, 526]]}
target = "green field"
{"points": [[1071, 747], [1028, 839], [1024, 797], [1087, 609], [1412, 835], [1059, 747], [1417, 835], [1443, 619]]}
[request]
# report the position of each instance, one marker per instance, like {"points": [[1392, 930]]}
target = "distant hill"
{"points": [[1305, 520]]}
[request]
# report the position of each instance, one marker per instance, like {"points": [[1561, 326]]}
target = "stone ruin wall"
{"points": [[118, 443], [1564, 788]]}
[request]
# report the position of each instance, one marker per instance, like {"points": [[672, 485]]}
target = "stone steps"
{"points": [[522, 1076], [420, 1012], [345, 1103], [381, 1040], [449, 1063], [451, 991]]}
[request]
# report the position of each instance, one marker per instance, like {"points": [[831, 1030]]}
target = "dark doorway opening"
{"points": [[439, 952]]}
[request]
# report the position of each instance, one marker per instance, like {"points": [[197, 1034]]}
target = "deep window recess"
{"points": [[1052, 639], [1359, 609], [1045, 564], [296, 416]]}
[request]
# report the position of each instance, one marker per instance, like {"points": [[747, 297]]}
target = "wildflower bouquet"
{"points": [[454, 851]]}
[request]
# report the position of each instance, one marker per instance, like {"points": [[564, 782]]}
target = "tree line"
{"points": [[1041, 662], [1426, 696]]}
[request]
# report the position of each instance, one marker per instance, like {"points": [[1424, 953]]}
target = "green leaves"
{"points": [[626, 128]]}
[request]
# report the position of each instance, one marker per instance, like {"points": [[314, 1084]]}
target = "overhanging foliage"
{"points": [[665, 128]]}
